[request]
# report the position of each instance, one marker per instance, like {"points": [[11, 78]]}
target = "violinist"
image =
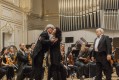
{"points": [[116, 59], [63, 56], [6, 63], [82, 60], [73, 52], [32, 48], [2, 71], [30, 53], [12, 54], [71, 60], [70, 57], [63, 68]]}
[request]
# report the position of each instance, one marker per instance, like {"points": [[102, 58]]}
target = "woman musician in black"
{"points": [[7, 63]]}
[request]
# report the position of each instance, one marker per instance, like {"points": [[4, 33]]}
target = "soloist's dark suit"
{"points": [[104, 48], [41, 47]]}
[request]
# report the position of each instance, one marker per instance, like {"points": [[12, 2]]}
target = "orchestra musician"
{"points": [[63, 67], [32, 48], [22, 61], [13, 55], [116, 59], [63, 55], [7, 63], [70, 57], [11, 52], [82, 61], [2, 70]]}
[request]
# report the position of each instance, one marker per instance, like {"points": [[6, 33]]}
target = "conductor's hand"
{"points": [[108, 57]]}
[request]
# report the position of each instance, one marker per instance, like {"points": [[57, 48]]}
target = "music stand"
{"points": [[75, 53], [116, 53]]}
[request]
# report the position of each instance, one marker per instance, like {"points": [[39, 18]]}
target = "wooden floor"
{"points": [[114, 77]]}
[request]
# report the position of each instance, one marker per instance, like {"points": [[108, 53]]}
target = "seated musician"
{"points": [[116, 60], [90, 67], [22, 61], [7, 63], [70, 62], [32, 48], [2, 71], [82, 60], [63, 63], [13, 53], [63, 56]]}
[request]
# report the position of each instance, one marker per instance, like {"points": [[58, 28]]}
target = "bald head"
{"points": [[22, 45], [99, 31]]}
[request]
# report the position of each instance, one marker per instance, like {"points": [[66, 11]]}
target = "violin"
{"points": [[29, 58], [9, 61]]}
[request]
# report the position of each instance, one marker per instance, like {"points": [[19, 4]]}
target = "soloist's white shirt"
{"points": [[97, 43]]}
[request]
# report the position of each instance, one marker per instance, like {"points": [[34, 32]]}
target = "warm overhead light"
{"points": [[46, 20], [46, 15]]}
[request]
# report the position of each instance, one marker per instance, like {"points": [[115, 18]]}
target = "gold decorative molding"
{"points": [[7, 14], [7, 28], [11, 20], [25, 5], [11, 5]]}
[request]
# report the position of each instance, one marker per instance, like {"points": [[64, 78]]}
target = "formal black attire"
{"points": [[55, 56], [63, 68], [42, 46], [22, 61], [8, 68], [102, 64], [2, 70], [116, 60]]}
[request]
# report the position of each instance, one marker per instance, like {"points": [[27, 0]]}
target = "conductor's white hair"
{"points": [[100, 29], [49, 26]]}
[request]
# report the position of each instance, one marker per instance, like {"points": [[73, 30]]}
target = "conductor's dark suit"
{"points": [[41, 47], [102, 64]]}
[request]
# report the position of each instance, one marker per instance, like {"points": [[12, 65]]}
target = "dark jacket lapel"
{"points": [[94, 43]]}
